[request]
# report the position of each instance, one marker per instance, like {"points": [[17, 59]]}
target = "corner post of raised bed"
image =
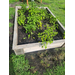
{"points": [[19, 52]]}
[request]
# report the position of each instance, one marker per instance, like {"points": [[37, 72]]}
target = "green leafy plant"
{"points": [[21, 18], [33, 37], [24, 38], [47, 35], [64, 35], [33, 20], [28, 36]]}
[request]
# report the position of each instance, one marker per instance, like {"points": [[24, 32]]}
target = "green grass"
{"points": [[12, 1], [58, 70], [18, 65], [10, 24], [11, 15], [11, 12]]}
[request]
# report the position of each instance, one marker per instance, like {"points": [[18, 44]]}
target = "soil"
{"points": [[22, 34]]}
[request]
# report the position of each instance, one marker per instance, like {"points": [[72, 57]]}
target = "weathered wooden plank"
{"points": [[15, 35], [39, 45], [38, 48], [19, 51]]}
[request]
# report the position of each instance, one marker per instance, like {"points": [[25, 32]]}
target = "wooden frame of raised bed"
{"points": [[25, 48]]}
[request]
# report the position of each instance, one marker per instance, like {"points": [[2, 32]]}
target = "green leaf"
{"points": [[33, 37], [42, 46], [24, 38], [32, 33], [28, 36]]}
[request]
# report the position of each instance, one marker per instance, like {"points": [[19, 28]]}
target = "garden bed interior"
{"points": [[22, 34], [21, 44]]}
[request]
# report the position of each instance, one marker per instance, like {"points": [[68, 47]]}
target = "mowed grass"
{"points": [[12, 1]]}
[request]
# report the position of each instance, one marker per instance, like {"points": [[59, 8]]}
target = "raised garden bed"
{"points": [[21, 46]]}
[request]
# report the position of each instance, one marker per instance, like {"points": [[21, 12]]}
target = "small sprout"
{"points": [[24, 38], [42, 61], [28, 36], [64, 35], [45, 46], [48, 65], [32, 33], [33, 37]]}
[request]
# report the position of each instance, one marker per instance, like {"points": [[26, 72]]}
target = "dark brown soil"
{"points": [[22, 34]]}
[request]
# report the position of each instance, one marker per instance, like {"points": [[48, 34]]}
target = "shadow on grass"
{"points": [[11, 69], [11, 30]]}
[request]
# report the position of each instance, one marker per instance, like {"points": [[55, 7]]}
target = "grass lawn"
{"points": [[18, 65]]}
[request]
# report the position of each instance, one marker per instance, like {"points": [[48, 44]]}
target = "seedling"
{"points": [[33, 37], [64, 35], [42, 62], [24, 38], [28, 36], [48, 65]]}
